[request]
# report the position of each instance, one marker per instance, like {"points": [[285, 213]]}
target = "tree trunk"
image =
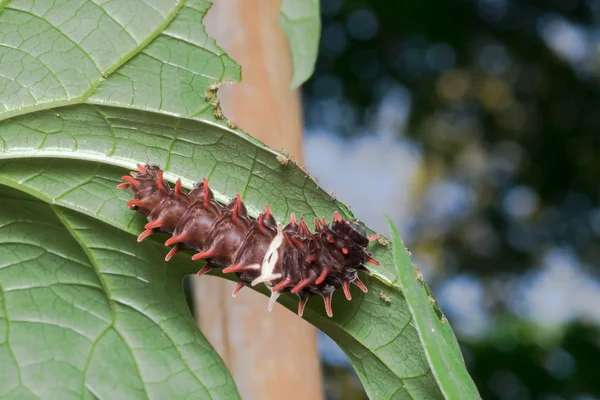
{"points": [[270, 355]]}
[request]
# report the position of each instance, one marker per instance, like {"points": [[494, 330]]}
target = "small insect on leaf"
{"points": [[283, 160], [382, 241], [218, 113], [419, 275], [385, 298]]}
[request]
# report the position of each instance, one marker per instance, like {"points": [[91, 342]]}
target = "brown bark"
{"points": [[270, 355]]}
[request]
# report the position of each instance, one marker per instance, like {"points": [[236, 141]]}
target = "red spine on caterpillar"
{"points": [[287, 258]]}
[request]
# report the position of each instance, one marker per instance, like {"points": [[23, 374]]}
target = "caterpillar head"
{"points": [[350, 229]]}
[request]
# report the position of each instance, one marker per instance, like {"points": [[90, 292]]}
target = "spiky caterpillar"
{"points": [[284, 258]]}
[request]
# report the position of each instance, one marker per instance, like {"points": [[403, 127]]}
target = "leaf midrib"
{"points": [[104, 286], [56, 209]]}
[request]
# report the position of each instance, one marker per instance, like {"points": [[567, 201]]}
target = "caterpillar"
{"points": [[284, 258]]}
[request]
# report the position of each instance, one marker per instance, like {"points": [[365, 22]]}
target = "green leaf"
{"points": [[87, 90], [85, 307], [439, 342], [301, 21], [379, 336], [148, 55]]}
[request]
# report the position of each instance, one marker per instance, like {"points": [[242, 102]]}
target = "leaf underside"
{"points": [[86, 92]]}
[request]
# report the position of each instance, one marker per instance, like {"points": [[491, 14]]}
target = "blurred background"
{"points": [[475, 124]]}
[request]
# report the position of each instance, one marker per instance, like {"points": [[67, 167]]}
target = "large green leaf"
{"points": [[86, 312], [378, 334], [149, 55], [87, 90]]}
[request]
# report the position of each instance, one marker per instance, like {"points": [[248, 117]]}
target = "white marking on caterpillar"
{"points": [[270, 260]]}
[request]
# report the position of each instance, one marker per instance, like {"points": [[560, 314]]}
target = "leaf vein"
{"points": [[111, 302]]}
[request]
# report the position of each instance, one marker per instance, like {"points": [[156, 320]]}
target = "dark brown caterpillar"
{"points": [[289, 258]]}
